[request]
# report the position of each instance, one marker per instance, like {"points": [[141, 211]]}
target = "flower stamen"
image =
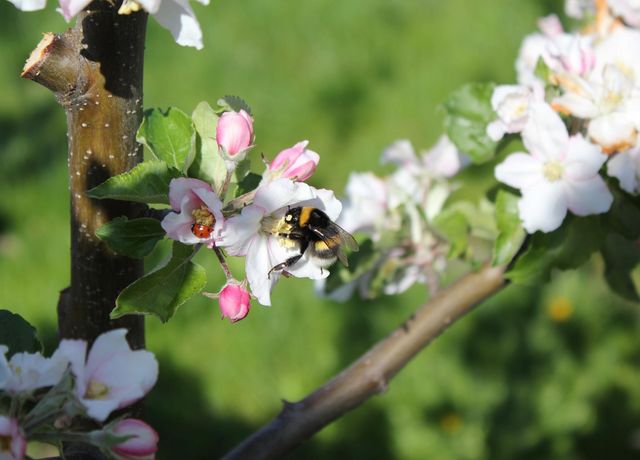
{"points": [[553, 171]]}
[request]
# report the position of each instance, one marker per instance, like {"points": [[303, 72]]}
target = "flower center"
{"points": [[202, 216], [5, 443], [552, 171], [96, 390]]}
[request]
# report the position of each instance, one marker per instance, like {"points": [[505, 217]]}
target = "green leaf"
{"points": [[207, 165], [542, 70], [468, 113], [133, 238], [567, 247], [248, 183], [148, 182], [624, 215], [17, 334], [233, 103], [453, 225], [161, 292], [621, 256], [511, 234], [170, 136]]}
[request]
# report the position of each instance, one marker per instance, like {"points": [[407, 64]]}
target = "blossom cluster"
{"points": [[398, 214], [576, 107], [250, 225], [43, 397]]}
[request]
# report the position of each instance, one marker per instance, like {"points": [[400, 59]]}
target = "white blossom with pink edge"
{"points": [[143, 444], [175, 15], [112, 376], [197, 216], [234, 135], [235, 301], [625, 167], [295, 163], [251, 234], [13, 444], [559, 173], [26, 372], [511, 104]]}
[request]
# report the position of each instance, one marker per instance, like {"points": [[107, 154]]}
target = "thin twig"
{"points": [[371, 373]]}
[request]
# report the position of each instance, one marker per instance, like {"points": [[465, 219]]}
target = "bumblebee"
{"points": [[313, 232]]}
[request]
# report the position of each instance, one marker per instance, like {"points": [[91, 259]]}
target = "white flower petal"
{"points": [[545, 135], [69, 8], [583, 159], [520, 170], [99, 409], [624, 167], [588, 197], [150, 6], [543, 207], [578, 105], [75, 351], [240, 230], [181, 187], [5, 372], [614, 132], [179, 18], [399, 153], [29, 5], [258, 265]]}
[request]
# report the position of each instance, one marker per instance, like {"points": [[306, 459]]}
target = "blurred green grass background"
{"points": [[548, 373]]}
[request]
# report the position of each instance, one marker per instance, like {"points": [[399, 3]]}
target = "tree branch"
{"points": [[95, 73], [371, 373]]}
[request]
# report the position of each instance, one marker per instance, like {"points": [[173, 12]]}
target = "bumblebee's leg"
{"points": [[291, 260]]}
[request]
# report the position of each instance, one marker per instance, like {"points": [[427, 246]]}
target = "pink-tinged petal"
{"points": [[106, 346], [583, 160], [14, 442], [588, 197], [444, 158], [143, 445], [496, 130], [240, 230], [235, 301], [282, 193], [178, 17], [615, 132], [550, 25], [181, 187], [545, 135], [234, 132], [69, 8], [624, 167], [581, 106], [543, 207], [399, 153], [29, 5], [178, 227], [288, 156], [520, 170], [258, 265]]}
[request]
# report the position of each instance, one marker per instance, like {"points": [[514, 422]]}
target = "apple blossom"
{"points": [[142, 445], [175, 15], [628, 10], [234, 301], [511, 104], [197, 216], [13, 444], [295, 163], [253, 233], [560, 173], [112, 376], [26, 372], [365, 206], [234, 134], [625, 166], [612, 107]]}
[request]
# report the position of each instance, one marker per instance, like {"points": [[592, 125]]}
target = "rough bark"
{"points": [[95, 72], [371, 373]]}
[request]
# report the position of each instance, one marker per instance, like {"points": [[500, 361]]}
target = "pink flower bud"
{"points": [[234, 132], [13, 444], [295, 163], [142, 446], [234, 301]]}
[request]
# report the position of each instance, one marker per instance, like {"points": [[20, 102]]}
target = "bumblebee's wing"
{"points": [[344, 237]]}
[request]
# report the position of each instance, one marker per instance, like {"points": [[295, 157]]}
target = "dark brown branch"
{"points": [[95, 72], [370, 374]]}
